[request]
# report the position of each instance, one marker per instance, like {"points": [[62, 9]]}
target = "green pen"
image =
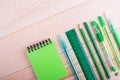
{"points": [[100, 38], [97, 49], [110, 42], [91, 53], [117, 39]]}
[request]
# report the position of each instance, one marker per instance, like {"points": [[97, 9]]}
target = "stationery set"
{"points": [[47, 62]]}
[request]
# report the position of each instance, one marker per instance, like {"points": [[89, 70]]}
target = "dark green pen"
{"points": [[97, 49]]}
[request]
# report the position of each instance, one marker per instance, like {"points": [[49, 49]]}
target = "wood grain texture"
{"points": [[14, 64], [17, 14]]}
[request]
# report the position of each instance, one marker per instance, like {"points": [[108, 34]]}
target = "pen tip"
{"points": [[107, 16], [58, 36]]}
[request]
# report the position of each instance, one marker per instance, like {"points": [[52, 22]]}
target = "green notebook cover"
{"points": [[46, 61]]}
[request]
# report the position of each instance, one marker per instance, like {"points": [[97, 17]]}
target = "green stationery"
{"points": [[81, 55], [97, 49], [46, 61], [111, 43], [100, 38], [92, 54], [114, 32]]}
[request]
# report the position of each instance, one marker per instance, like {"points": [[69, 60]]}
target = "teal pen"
{"points": [[65, 48]]}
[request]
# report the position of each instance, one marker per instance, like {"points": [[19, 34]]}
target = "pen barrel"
{"points": [[117, 39], [109, 59], [97, 50], [72, 64], [111, 44], [114, 33]]}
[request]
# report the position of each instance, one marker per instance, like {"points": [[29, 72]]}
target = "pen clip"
{"points": [[98, 31]]}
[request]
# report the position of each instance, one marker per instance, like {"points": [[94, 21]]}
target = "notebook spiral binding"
{"points": [[39, 45]]}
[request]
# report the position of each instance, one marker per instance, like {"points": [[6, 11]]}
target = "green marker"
{"points": [[117, 39], [100, 38], [92, 54], [97, 49], [110, 42]]}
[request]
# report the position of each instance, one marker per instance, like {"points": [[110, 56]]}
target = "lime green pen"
{"points": [[100, 38], [110, 42], [117, 39]]}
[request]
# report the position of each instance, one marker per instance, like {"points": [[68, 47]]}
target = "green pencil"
{"points": [[97, 50], [91, 53]]}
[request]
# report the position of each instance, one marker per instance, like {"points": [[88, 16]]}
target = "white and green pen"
{"points": [[65, 48], [100, 38]]}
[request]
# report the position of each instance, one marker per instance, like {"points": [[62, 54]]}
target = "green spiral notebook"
{"points": [[46, 61]]}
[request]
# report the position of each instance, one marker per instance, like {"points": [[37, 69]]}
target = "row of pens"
{"points": [[80, 53]]}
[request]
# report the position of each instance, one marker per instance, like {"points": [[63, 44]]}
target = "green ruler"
{"points": [[81, 55], [92, 54]]}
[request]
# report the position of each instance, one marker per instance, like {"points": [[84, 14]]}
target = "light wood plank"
{"points": [[12, 47]]}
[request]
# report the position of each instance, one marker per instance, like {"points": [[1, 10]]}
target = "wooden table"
{"points": [[14, 64]]}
